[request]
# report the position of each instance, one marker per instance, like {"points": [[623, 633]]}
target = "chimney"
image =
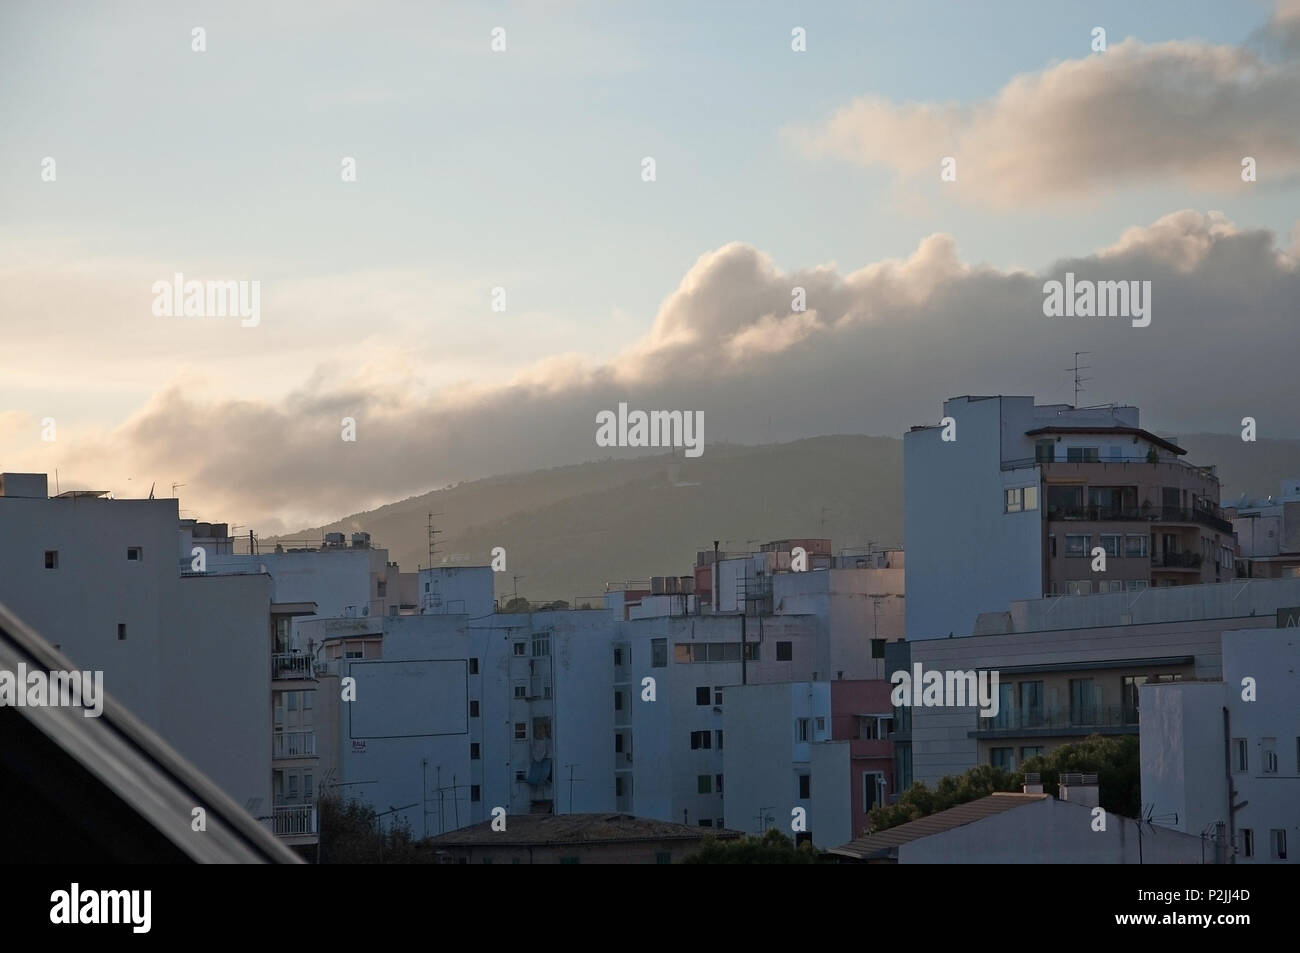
{"points": [[1033, 782], [1080, 789]]}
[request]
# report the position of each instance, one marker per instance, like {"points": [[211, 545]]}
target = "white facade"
{"points": [[189, 656], [1260, 741]]}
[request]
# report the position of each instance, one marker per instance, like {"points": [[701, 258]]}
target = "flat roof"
{"points": [[1129, 431]]}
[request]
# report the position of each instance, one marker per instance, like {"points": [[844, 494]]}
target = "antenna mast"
{"points": [[1078, 381]]}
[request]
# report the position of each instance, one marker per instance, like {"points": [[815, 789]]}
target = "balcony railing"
{"points": [[1207, 473], [292, 665], [293, 744], [1150, 514], [297, 820], [1043, 719]]}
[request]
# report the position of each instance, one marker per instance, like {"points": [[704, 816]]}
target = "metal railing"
{"points": [[293, 744], [292, 665], [1148, 514], [297, 820], [1208, 472], [1084, 716], [1177, 560]]}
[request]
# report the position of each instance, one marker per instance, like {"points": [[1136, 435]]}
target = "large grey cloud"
{"points": [[876, 351], [1136, 114]]}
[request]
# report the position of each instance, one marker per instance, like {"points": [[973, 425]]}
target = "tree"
{"points": [[772, 848], [350, 834], [517, 604], [1115, 759], [919, 801]]}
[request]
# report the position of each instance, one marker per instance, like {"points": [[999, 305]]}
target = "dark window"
{"points": [[658, 653], [700, 739], [702, 695], [473, 751], [784, 651], [121, 631], [805, 784], [618, 786], [618, 701], [704, 784], [717, 780], [877, 648], [473, 666], [618, 744], [474, 792], [133, 554], [618, 656], [473, 708], [51, 559]]}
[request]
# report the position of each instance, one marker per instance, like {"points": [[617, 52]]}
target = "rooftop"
{"points": [[884, 844]]}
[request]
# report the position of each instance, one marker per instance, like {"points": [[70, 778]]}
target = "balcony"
{"points": [[1199, 515], [1149, 514], [292, 665], [1190, 561], [1048, 721], [295, 821], [293, 744]]}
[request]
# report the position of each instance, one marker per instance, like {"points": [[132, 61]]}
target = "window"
{"points": [[521, 690], [1031, 704], [519, 777], [1078, 587], [381, 588], [784, 651], [618, 655], [521, 648], [1297, 751], [353, 650], [1076, 545], [1031, 498], [1268, 755], [51, 559], [541, 645], [1277, 841], [1030, 751], [1135, 546], [618, 744], [1083, 701], [1247, 842], [1045, 451], [717, 785], [682, 652], [1110, 585], [877, 648], [821, 724], [873, 790], [700, 739], [293, 787], [618, 701], [751, 651], [658, 653], [706, 822], [121, 631], [568, 860], [805, 786], [1004, 758], [1081, 454], [292, 700], [1116, 453], [704, 784], [702, 695], [1240, 761], [618, 786], [719, 738], [473, 708], [663, 857], [1020, 498], [521, 731], [717, 696], [1063, 501], [475, 792], [1110, 543], [475, 751], [801, 727], [473, 666], [868, 728], [307, 787], [1129, 697], [1012, 502], [134, 554], [1135, 585]]}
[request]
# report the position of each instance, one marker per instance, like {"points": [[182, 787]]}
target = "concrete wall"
{"points": [[1182, 754], [964, 554], [1050, 832]]}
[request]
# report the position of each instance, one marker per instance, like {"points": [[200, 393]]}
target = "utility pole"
{"points": [[433, 533]]}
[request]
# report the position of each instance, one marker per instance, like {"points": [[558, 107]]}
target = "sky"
{"points": [[522, 169]]}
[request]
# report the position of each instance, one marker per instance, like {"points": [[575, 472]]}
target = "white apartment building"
{"points": [[187, 654], [1071, 667], [1006, 500], [1268, 532], [1249, 720]]}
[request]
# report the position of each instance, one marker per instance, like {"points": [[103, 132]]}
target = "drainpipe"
{"points": [[1227, 767]]}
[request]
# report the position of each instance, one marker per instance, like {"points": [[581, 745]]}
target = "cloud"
{"points": [[1182, 111], [877, 350]]}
